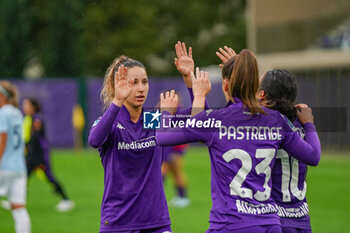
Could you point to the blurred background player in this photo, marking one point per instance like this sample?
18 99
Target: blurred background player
13 177
173 164
37 150
278 90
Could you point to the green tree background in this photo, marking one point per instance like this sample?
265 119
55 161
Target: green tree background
80 38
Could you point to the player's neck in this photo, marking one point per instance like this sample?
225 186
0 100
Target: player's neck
135 113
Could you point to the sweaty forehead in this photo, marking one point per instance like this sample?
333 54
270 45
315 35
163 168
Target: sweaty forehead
137 73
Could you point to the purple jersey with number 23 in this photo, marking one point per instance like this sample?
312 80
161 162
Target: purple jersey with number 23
242 153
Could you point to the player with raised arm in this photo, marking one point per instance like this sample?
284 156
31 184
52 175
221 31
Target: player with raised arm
133 199
13 176
278 90
242 144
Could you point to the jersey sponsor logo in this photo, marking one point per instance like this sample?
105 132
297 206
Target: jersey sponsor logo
137 145
120 126
151 120
249 208
298 212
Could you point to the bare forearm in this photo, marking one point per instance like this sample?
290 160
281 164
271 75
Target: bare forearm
187 80
198 104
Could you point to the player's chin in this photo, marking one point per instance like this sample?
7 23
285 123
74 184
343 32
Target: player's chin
139 103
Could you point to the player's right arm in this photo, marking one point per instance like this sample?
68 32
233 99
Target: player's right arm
102 127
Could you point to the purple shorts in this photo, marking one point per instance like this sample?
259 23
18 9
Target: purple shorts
164 229
294 230
253 229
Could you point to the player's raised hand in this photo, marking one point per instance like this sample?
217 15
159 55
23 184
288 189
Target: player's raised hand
201 84
184 62
122 86
169 102
304 113
225 54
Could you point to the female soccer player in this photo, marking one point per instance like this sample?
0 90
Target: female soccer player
278 90
13 177
37 149
242 142
133 199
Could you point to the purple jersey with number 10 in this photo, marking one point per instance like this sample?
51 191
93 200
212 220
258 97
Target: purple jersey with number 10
289 188
242 153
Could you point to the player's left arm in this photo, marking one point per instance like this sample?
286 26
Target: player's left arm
308 151
3 141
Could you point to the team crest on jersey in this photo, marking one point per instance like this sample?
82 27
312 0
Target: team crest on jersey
291 125
151 120
96 122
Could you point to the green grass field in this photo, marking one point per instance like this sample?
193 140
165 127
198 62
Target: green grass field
82 176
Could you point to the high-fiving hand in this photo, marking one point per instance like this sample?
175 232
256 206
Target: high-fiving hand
225 54
184 62
169 102
201 84
122 86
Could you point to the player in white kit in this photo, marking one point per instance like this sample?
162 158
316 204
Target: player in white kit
13 175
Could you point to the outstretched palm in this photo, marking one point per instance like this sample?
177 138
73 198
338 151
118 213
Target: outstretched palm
184 62
122 86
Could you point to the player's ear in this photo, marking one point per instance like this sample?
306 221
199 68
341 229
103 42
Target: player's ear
225 84
260 95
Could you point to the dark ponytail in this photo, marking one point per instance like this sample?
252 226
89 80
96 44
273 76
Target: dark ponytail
280 90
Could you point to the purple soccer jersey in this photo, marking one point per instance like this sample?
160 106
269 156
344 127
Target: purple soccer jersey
289 188
242 152
133 194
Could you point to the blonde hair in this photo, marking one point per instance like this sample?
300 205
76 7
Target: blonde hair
13 96
107 93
